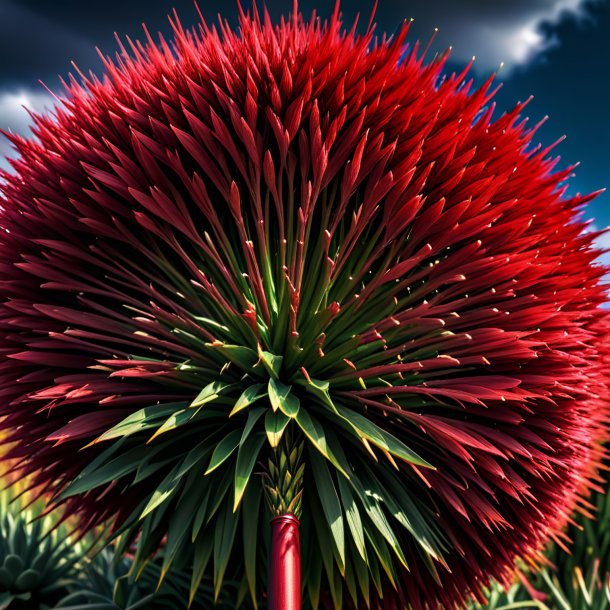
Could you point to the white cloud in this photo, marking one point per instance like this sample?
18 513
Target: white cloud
15 118
508 32
603 243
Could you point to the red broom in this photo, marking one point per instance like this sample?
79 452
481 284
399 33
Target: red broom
298 264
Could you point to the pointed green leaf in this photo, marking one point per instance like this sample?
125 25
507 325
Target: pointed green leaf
143 419
370 431
406 510
327 551
352 515
319 389
281 398
211 392
165 490
330 503
361 572
249 396
224 534
275 424
246 458
271 362
314 431
314 580
224 449
202 554
104 472
250 512
220 493
244 357
253 416
370 503
210 322
379 545
172 422
181 520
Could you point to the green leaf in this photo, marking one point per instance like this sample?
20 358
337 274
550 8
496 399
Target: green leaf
330 504
327 552
100 472
164 491
27 580
249 396
175 420
314 431
210 322
181 520
142 419
380 547
6 598
244 357
361 572
183 417
275 424
352 514
211 392
271 362
370 431
281 398
216 488
320 389
14 565
370 503
224 449
314 573
249 448
406 510
202 553
148 467
253 416
220 493
249 514
350 581
246 458
224 534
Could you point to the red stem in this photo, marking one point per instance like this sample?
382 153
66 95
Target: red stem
285 564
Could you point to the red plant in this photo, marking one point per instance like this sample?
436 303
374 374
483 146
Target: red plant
320 228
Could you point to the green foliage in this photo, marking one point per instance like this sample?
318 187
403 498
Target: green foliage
284 478
39 561
105 583
264 430
579 580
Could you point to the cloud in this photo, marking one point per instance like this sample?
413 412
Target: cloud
14 117
41 37
603 243
512 32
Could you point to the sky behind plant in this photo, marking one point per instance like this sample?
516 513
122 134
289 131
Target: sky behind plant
556 50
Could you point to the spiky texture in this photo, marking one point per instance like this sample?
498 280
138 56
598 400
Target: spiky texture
576 574
294 226
284 478
40 557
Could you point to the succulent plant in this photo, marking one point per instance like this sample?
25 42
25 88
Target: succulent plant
105 582
38 558
575 574
300 267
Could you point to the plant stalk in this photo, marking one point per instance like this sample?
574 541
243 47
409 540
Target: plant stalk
284 592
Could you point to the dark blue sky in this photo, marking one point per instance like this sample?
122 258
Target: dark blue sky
557 50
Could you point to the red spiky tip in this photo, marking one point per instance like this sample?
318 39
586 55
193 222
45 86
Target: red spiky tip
300 206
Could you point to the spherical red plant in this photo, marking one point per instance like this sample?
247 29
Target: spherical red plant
294 270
